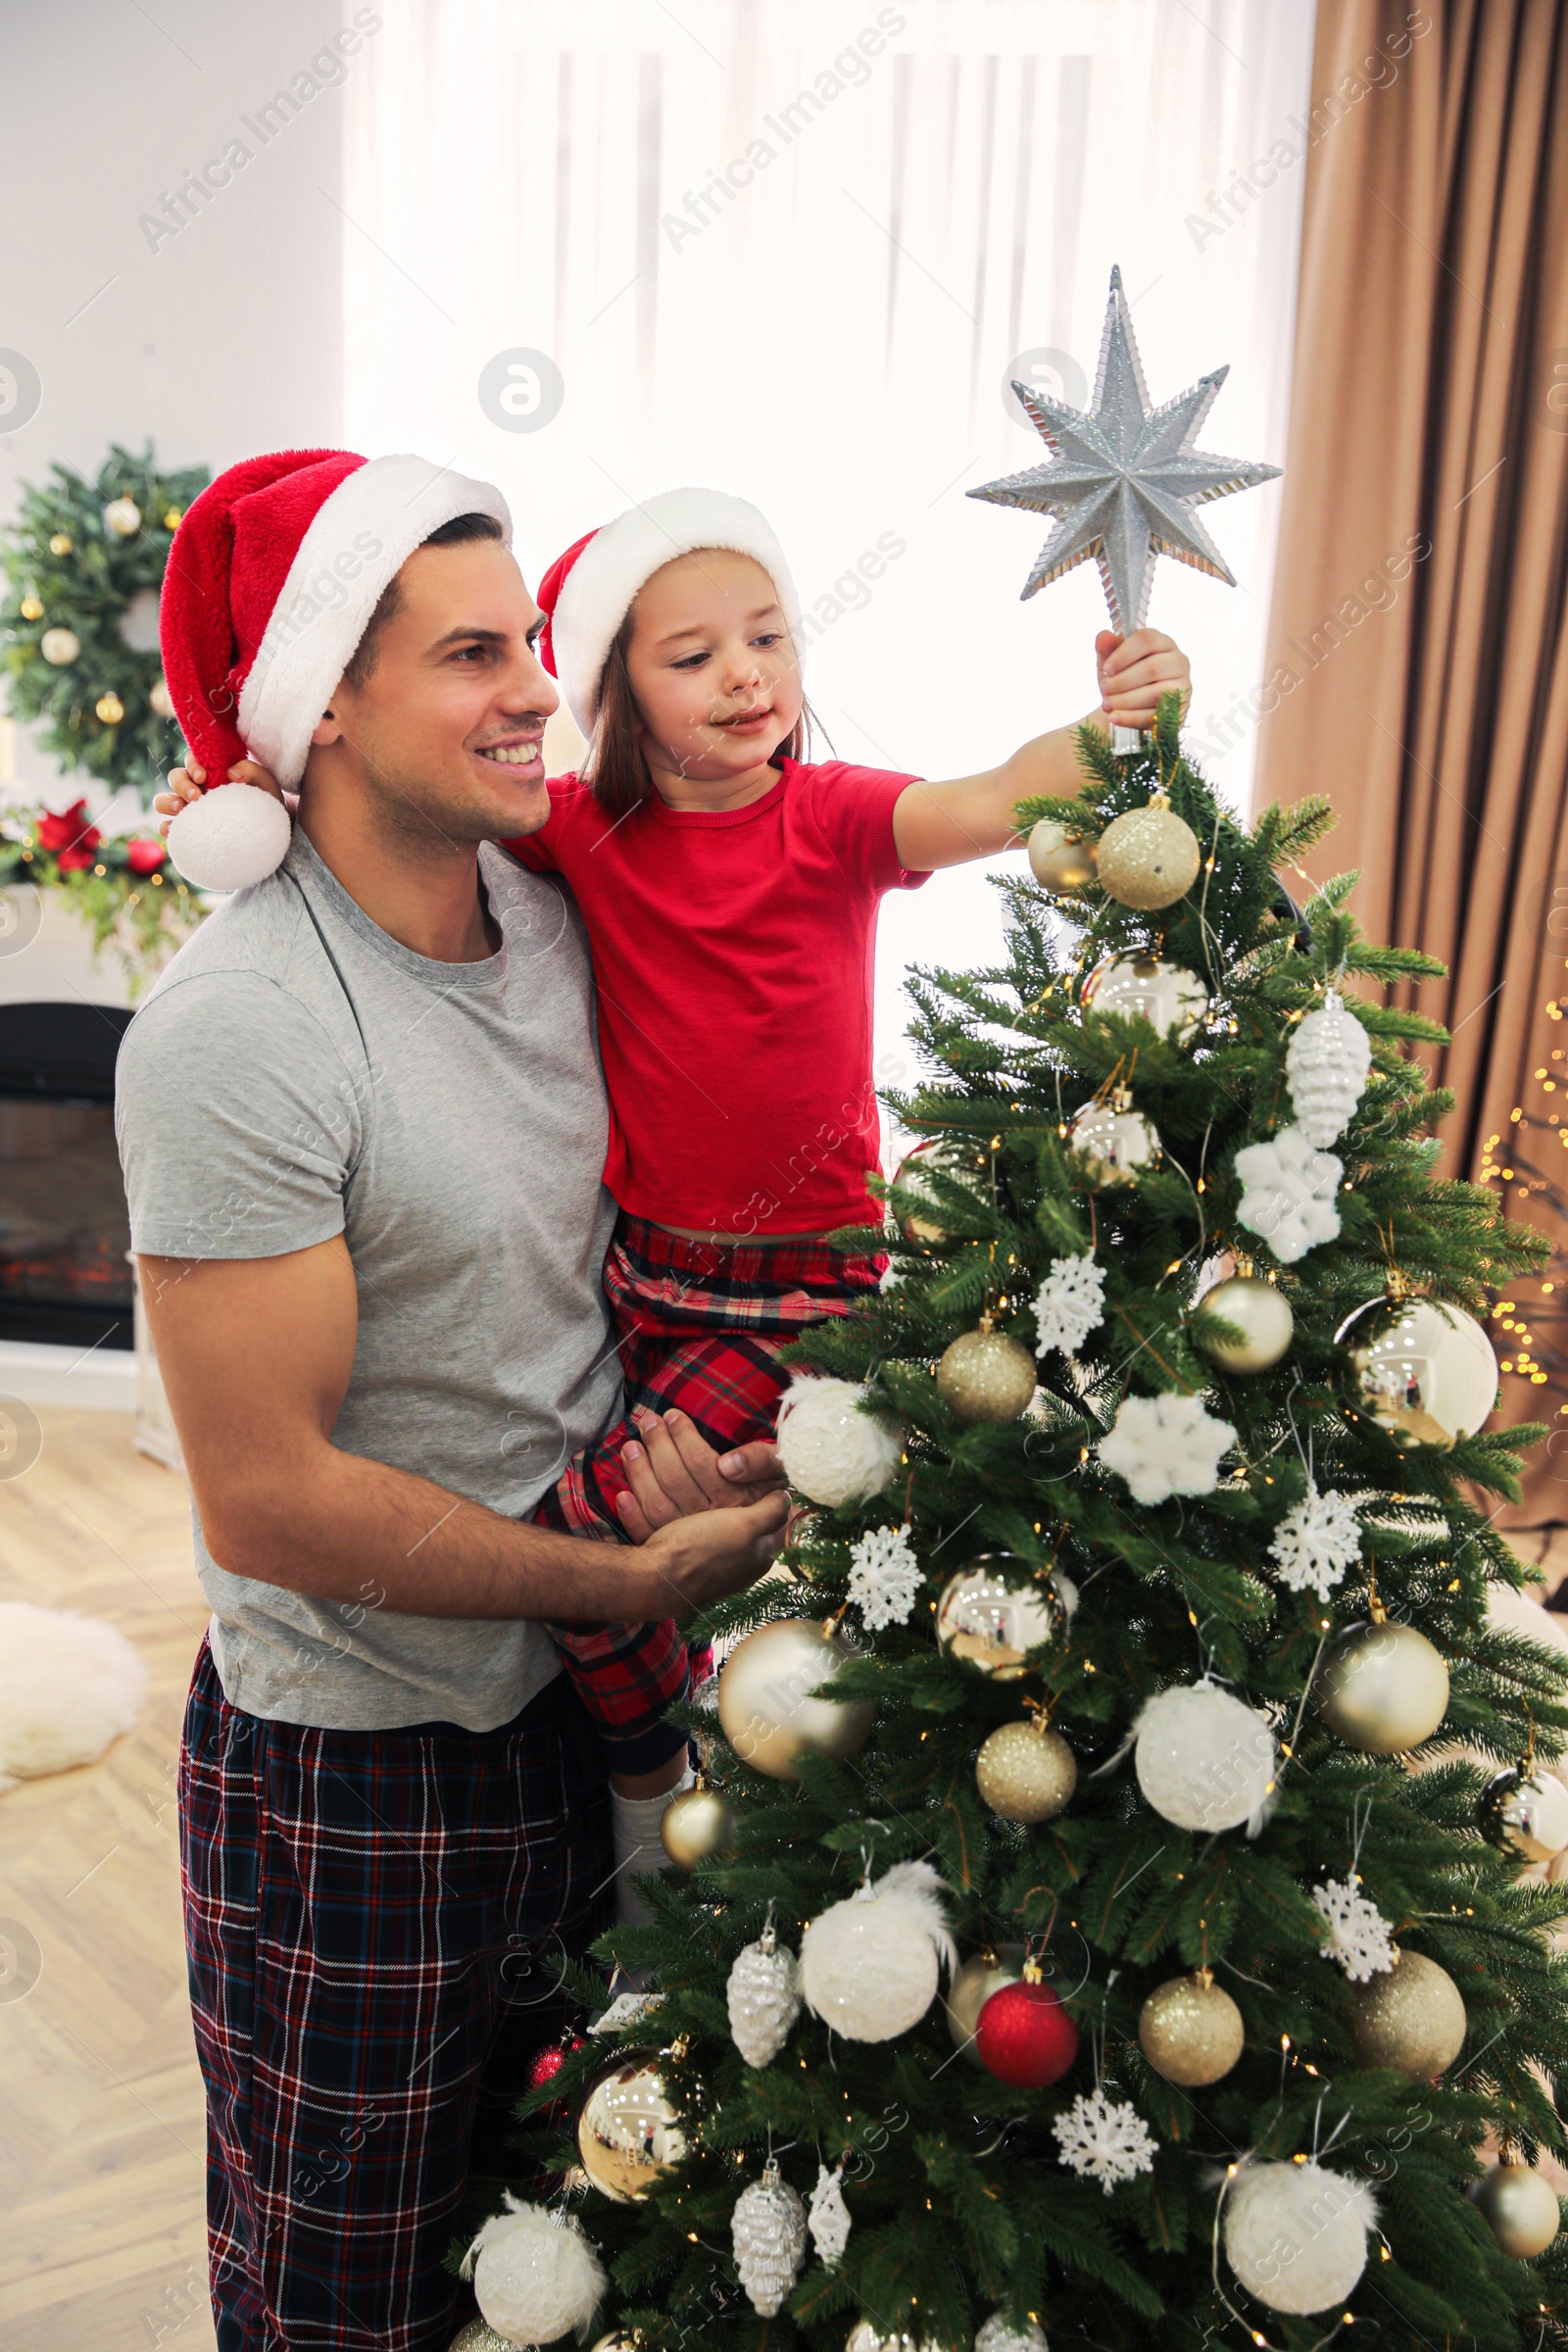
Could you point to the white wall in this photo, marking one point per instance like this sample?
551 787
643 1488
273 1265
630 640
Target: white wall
219 340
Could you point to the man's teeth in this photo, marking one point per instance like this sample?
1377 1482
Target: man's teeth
511 755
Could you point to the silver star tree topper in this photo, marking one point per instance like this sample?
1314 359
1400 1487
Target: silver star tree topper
1126 482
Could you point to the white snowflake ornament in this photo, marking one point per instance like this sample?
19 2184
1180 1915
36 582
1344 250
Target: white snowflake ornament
763 1993
769 2235
1289 1194
1105 2142
1164 1446
1359 1938
1326 1070
1316 1543
884 1577
1071 1303
828 2218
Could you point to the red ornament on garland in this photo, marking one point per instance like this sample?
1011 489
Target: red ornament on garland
1024 2035
546 2064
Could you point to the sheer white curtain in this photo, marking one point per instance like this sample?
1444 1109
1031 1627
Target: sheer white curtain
794 248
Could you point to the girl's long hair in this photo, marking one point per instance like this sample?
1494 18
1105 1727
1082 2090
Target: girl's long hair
614 765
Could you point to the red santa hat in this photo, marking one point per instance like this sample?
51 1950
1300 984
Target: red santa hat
273 578
587 593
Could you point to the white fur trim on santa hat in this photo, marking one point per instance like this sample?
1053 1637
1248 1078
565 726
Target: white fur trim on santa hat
598 590
360 539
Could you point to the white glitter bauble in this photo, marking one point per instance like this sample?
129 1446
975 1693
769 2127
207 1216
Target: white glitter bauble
869 1965
1070 1304
535 2274
884 1577
1296 2233
122 517
998 2334
769 2235
828 2218
1326 1070
1316 1543
830 1451
234 835
1360 1938
1164 1446
1104 2141
763 1993
1151 988
1289 1194
60 647
1204 1759
137 628
160 699
864 2337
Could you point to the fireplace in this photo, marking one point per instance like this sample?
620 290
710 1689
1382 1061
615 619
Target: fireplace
65 1278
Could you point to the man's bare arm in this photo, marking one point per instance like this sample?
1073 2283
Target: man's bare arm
256 1355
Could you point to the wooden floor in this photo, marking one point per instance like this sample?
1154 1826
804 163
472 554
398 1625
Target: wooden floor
102 2237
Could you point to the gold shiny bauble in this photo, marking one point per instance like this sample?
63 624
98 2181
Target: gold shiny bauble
1383 1688
1191 2031
1059 860
110 709
764 1704
1258 1310
1410 2017
1111 1142
939 1153
480 2337
1149 988
1149 857
984 1974
695 1825
60 647
1521 2207
173 518
122 517
1524 1813
627 2135
32 608
1026 1771
60 544
1429 1377
992 1621
162 700
984 1376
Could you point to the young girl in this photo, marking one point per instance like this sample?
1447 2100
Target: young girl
730 891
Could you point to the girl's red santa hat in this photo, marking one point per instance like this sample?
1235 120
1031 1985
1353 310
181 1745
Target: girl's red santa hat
588 592
273 578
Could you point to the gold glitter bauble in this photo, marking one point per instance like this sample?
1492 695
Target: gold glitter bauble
110 709
1383 1688
1148 859
162 700
1191 2031
60 647
984 1376
1521 2207
996 1610
60 544
764 1704
480 2337
1411 2018
31 609
1111 1142
122 517
982 1975
1026 1771
627 2135
1259 1311
695 1825
1149 988
1429 1377
1060 861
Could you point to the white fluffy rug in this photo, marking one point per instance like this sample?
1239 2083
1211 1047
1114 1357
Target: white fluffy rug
68 1687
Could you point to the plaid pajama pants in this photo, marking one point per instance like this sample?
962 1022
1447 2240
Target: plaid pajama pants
370 1918
702 1326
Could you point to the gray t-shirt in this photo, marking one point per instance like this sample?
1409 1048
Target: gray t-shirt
292 1078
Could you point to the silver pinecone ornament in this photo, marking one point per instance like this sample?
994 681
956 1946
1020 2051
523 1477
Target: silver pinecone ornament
1325 1071
829 2218
765 1998
769 2240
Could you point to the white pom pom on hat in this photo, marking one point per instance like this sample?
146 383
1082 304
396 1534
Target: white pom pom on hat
587 592
273 578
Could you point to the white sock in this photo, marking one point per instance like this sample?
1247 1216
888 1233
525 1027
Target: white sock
636 1821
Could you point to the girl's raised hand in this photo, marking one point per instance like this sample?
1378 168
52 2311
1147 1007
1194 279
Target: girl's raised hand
185 785
1135 672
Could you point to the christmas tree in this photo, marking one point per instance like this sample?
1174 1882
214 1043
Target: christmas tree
1103 1912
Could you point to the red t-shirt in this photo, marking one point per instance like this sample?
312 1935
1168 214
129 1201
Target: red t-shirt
733 954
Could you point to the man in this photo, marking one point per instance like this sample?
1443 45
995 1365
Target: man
363 1127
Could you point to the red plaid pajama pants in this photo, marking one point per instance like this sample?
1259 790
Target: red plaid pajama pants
702 1326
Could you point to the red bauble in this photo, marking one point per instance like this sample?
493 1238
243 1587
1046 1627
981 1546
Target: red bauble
1025 2036
546 2062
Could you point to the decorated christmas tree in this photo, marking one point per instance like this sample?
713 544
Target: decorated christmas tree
1102 1920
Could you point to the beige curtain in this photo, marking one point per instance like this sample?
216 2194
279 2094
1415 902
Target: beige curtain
1418 638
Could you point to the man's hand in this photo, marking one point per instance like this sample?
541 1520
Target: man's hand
674 1473
698 1559
1135 672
